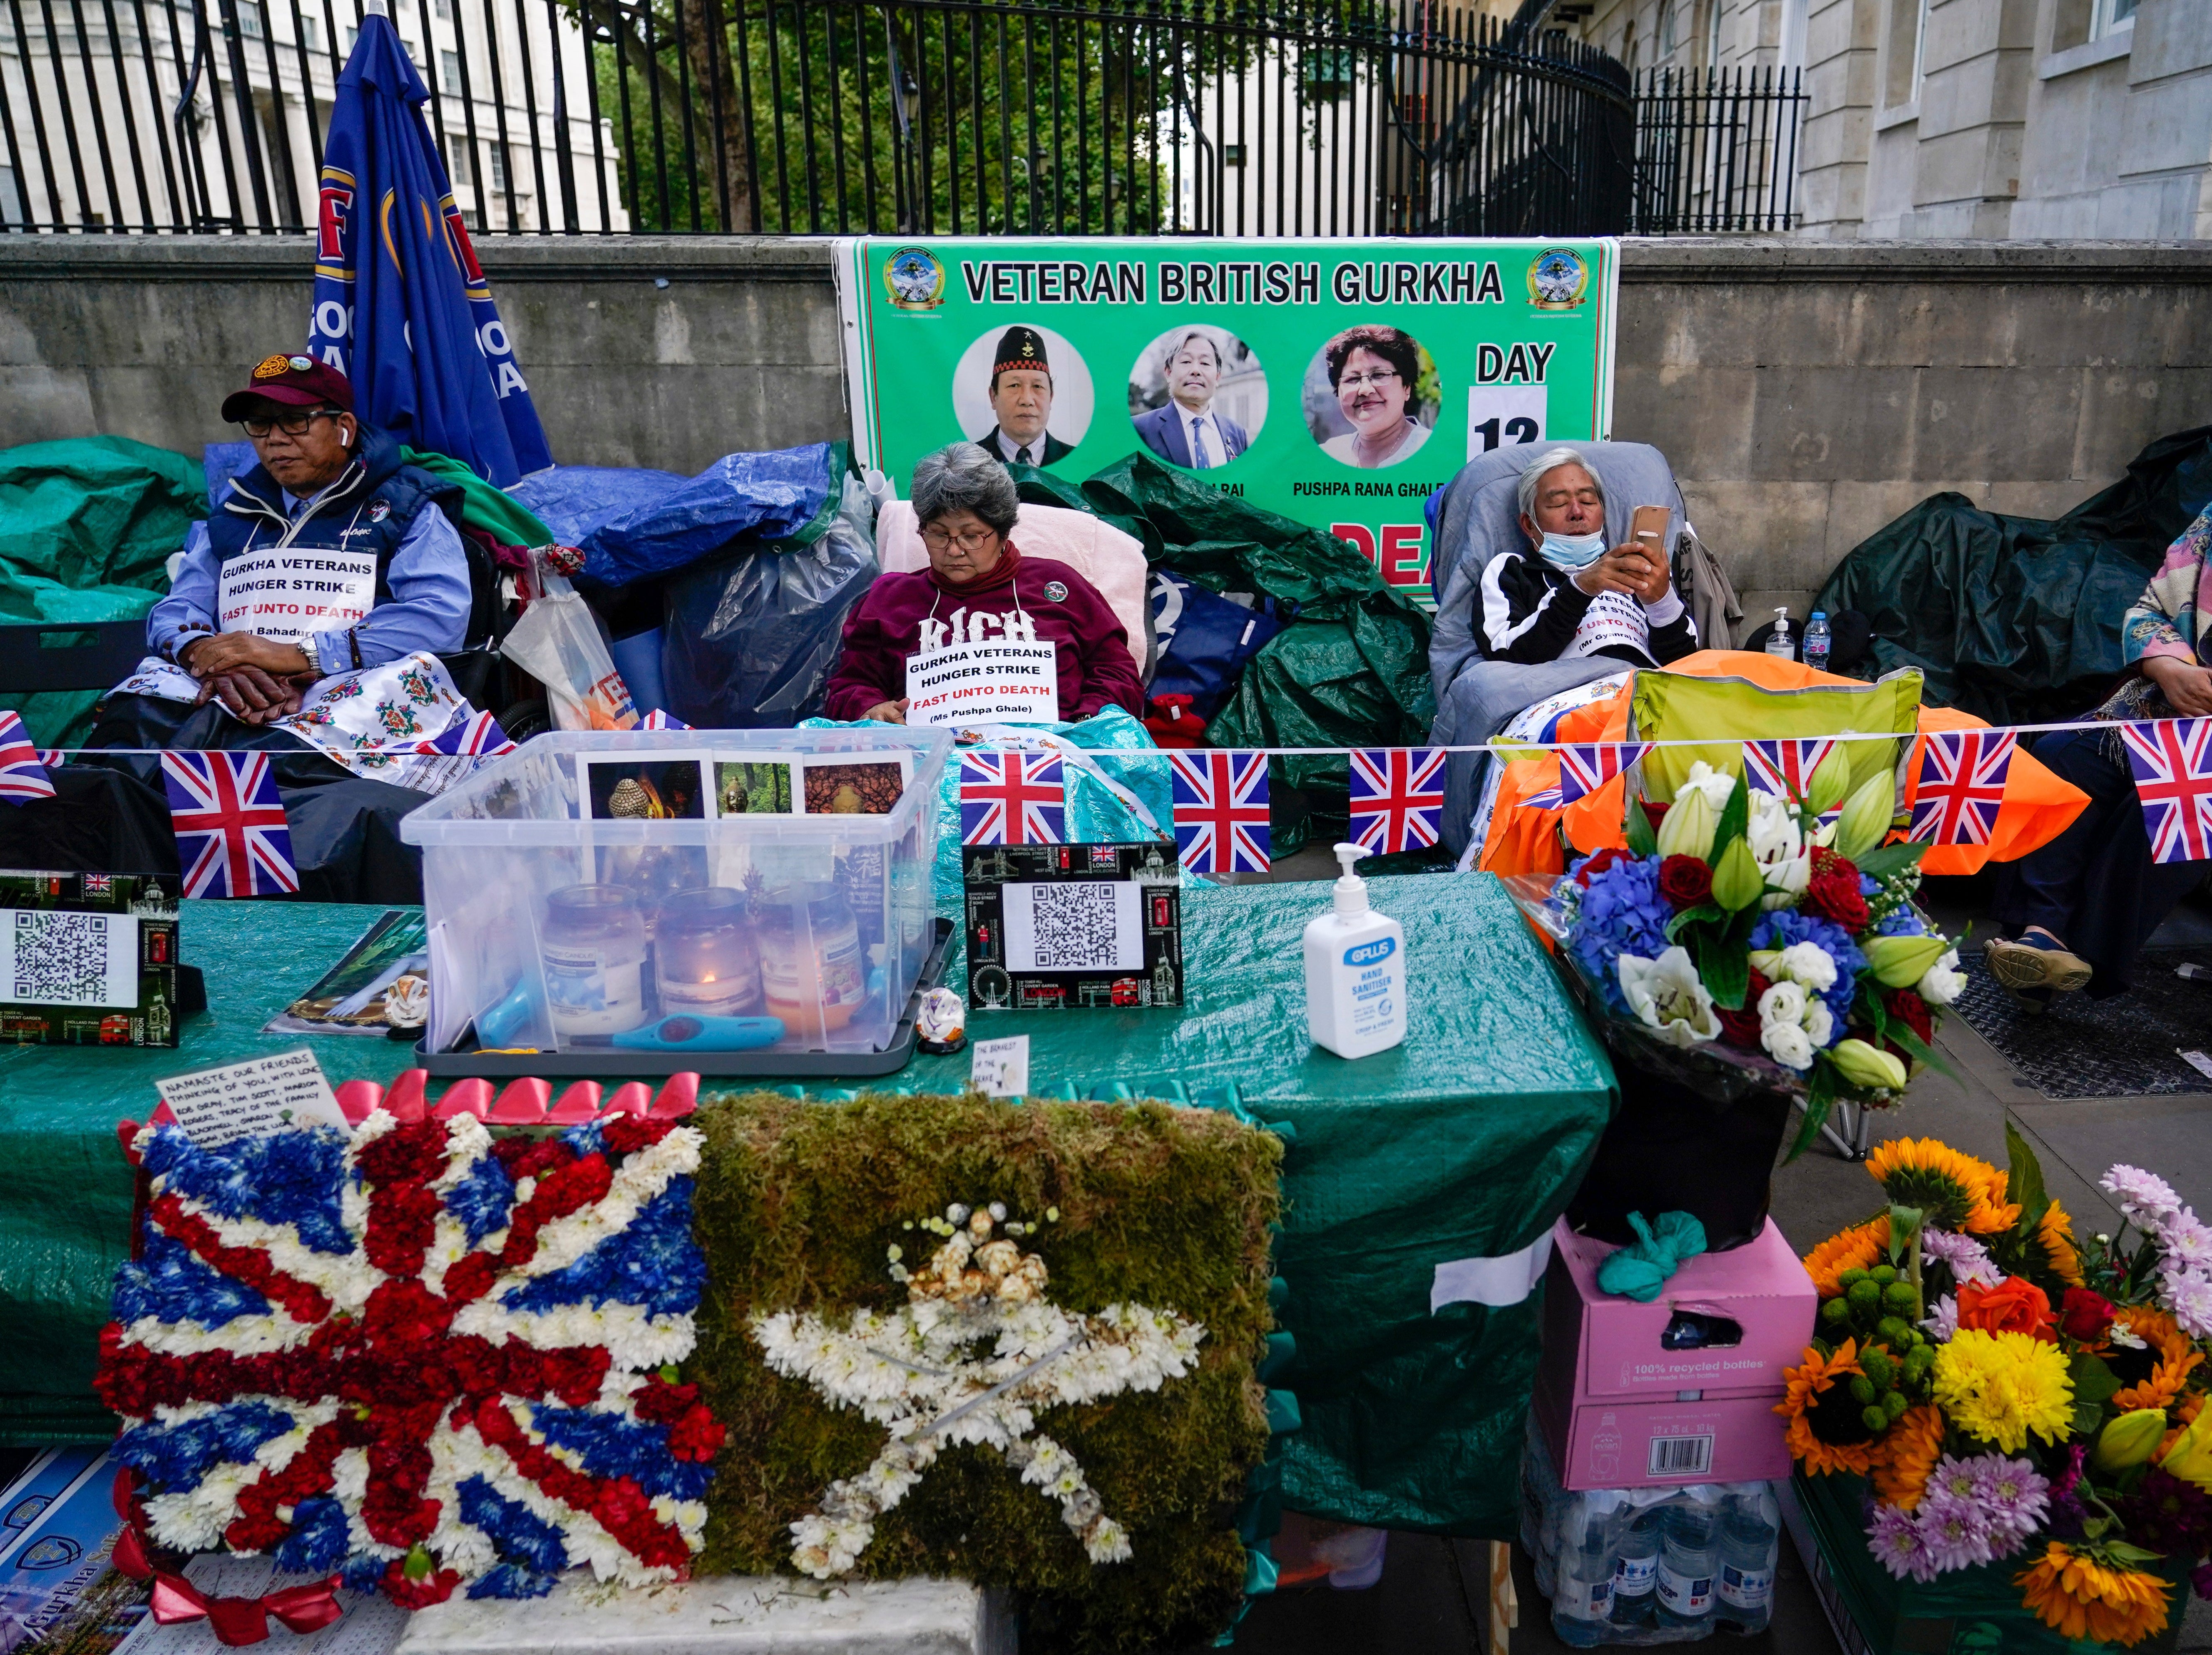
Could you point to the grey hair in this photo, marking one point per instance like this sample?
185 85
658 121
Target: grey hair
963 477
1550 460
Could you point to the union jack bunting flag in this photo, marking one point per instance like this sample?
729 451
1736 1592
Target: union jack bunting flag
22 766
1013 798
1784 767
1583 770
1397 798
1962 783
231 836
2172 762
657 719
476 737
1221 812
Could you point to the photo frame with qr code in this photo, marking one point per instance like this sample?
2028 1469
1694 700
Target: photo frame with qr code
90 959
1068 927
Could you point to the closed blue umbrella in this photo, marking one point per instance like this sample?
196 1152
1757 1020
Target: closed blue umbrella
402 307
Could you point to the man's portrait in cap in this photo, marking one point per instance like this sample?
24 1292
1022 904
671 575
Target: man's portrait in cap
1028 413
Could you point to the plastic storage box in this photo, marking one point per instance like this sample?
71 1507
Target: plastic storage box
557 883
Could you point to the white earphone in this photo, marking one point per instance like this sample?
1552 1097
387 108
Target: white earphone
345 438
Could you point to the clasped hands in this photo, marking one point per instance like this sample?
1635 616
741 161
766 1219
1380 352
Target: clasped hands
2188 687
259 679
1629 569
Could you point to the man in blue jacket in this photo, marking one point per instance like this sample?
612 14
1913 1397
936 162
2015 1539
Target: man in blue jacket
328 557
1188 431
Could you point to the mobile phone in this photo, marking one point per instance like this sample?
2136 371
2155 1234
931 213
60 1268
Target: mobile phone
1649 528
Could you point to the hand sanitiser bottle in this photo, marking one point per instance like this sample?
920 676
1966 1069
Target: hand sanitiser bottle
1355 971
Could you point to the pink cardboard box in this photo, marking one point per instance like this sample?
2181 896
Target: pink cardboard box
1681 1390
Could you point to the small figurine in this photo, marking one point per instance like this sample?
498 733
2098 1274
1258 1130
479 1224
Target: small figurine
941 1024
407 1002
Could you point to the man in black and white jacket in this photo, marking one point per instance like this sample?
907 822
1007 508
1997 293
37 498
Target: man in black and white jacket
1565 594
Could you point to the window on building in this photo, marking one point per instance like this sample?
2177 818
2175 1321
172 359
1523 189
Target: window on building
249 18
352 36
499 168
311 34
1908 31
445 10
2111 16
1670 27
1712 33
457 162
1919 45
449 71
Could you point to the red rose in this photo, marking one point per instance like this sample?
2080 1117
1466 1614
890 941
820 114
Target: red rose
1686 882
1598 862
1834 895
1825 861
2011 1306
2085 1315
1903 1006
1741 1028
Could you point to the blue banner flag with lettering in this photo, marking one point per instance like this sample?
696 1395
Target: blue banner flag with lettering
401 306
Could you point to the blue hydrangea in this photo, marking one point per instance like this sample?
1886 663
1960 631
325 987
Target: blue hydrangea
511 1580
178 1456
653 1263
171 1285
589 1139
612 1445
1622 912
1786 926
318 1539
363 1573
518 1534
287 1178
481 1198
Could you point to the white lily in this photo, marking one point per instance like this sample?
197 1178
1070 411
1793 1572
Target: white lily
1667 996
1715 784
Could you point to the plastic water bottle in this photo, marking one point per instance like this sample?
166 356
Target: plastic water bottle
1779 642
1816 641
1583 1604
1686 1566
1636 1571
1745 1588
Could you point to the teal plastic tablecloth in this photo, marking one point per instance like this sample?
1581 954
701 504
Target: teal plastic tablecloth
1463 1142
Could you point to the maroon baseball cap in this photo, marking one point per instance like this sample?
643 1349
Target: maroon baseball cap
294 381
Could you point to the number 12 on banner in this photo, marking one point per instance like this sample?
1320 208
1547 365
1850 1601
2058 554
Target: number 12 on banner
1503 416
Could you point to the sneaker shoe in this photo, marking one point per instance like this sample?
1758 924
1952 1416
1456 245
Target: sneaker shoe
2035 962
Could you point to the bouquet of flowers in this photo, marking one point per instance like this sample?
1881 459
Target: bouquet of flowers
2015 1396
1768 933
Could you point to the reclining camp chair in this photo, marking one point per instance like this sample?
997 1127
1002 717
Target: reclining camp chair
1471 519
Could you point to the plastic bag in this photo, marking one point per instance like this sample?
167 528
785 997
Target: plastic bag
1205 640
557 643
749 641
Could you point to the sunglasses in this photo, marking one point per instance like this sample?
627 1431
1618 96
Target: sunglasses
292 425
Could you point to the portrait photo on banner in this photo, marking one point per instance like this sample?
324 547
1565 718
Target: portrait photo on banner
1024 393
1198 397
1372 396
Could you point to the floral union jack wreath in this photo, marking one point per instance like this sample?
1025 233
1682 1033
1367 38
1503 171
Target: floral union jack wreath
414 1360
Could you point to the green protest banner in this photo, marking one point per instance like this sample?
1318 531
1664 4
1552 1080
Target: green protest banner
1336 382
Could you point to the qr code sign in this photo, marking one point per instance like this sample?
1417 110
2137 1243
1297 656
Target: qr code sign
1075 927
57 957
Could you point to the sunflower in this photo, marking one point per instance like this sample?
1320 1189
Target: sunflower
2055 1233
2079 1594
2155 1375
1956 1191
1907 1455
1859 1248
1826 1432
2001 1386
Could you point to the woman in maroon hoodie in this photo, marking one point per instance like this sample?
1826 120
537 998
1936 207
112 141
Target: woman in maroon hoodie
965 502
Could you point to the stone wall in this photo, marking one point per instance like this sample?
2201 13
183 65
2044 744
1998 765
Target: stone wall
1806 392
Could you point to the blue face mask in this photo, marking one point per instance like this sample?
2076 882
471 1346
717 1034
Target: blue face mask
1572 552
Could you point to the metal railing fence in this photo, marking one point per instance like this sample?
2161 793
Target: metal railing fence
935 117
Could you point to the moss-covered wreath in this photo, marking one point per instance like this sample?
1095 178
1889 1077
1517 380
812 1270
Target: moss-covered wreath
800 1204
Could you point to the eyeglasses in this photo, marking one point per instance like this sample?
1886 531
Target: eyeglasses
971 542
292 425
1381 376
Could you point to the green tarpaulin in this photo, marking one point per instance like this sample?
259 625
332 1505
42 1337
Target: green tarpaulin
87 526
1352 670
2017 620
1464 1142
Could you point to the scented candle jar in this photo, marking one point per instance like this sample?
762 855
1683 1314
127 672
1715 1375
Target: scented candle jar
594 952
706 962
813 970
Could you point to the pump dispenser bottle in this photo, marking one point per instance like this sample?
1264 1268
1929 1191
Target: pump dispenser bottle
1355 971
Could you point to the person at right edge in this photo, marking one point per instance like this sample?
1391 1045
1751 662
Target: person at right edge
1565 594
2077 912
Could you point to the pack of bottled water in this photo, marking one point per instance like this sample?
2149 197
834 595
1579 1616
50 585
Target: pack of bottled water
1649 1565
